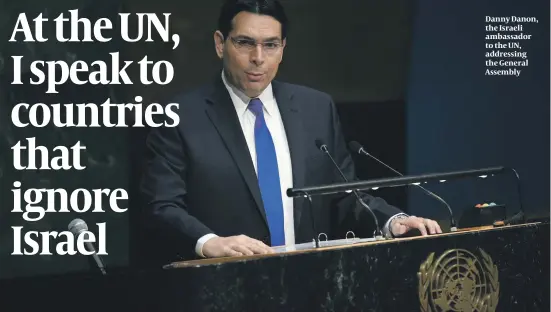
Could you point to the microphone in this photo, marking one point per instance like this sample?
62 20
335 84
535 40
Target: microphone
78 226
321 146
358 148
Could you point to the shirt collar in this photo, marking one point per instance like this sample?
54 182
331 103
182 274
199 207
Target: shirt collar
241 101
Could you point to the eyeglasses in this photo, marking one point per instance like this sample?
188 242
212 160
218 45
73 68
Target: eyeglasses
248 45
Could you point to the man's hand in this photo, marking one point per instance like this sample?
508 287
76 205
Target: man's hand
232 246
400 226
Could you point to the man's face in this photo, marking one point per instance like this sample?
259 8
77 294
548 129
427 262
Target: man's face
252 52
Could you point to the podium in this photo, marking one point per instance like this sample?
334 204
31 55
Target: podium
476 269
483 269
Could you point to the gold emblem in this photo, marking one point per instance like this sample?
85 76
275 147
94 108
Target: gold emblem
458 281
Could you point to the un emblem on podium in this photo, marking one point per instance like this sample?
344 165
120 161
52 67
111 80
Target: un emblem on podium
458 281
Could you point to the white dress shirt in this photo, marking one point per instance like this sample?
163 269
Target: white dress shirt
283 155
279 136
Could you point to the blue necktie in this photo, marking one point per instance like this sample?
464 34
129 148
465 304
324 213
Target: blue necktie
268 175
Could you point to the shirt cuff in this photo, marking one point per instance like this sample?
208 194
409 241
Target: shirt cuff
201 241
386 228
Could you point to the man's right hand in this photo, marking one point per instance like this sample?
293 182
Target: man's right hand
232 246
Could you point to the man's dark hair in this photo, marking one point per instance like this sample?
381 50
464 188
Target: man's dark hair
264 7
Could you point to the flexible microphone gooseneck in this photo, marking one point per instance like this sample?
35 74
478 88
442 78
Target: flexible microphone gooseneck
358 148
321 146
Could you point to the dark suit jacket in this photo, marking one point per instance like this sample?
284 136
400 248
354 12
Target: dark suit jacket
199 177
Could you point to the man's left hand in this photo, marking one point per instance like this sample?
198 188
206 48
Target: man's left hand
400 226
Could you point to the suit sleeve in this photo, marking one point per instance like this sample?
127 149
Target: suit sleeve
351 209
164 187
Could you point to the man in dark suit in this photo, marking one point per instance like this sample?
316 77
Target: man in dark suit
216 184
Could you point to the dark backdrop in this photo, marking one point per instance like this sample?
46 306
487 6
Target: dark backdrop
425 109
457 118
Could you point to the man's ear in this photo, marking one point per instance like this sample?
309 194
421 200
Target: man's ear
284 43
219 43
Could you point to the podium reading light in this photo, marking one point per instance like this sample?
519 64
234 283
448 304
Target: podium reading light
405 180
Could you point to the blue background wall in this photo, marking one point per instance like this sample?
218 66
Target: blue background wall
457 118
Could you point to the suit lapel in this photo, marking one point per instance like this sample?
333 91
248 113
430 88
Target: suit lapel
224 117
292 121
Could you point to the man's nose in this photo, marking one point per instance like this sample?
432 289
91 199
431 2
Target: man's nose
257 55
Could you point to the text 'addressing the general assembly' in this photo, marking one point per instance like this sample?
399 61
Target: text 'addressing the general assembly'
505 36
28 154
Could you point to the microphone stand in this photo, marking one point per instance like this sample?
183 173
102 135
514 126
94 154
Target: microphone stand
453 225
378 233
312 219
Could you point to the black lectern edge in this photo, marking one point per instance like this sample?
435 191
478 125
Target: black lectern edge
243 259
